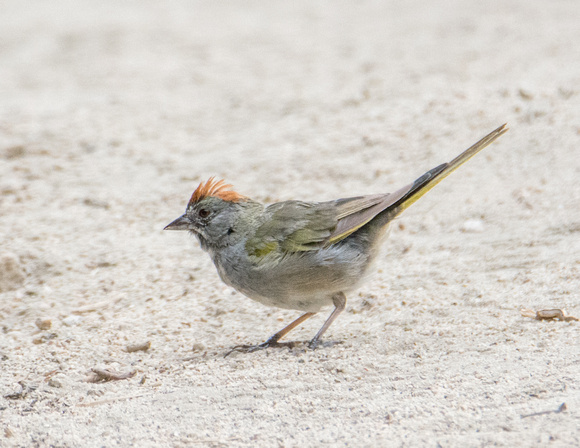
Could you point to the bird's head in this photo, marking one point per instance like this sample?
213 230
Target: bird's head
213 214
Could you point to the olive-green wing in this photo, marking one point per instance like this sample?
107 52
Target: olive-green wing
292 226
295 226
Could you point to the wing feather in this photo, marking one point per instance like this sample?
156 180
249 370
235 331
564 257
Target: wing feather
295 226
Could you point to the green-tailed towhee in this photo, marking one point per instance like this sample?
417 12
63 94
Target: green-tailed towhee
301 255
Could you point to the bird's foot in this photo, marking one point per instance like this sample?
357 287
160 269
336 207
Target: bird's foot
270 343
312 345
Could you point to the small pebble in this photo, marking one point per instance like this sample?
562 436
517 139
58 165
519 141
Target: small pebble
473 225
71 321
197 347
43 324
142 347
54 383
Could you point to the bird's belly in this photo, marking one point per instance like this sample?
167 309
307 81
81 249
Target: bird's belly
304 281
311 302
286 291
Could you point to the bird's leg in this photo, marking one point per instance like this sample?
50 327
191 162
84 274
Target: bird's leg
273 340
339 300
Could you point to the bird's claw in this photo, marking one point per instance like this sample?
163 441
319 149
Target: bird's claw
312 345
246 348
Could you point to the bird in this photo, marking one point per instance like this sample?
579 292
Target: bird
301 255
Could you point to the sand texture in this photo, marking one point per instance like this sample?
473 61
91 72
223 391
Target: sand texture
113 332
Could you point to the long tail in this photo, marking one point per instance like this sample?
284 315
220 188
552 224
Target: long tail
381 209
432 177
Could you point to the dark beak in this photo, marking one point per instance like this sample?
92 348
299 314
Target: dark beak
181 223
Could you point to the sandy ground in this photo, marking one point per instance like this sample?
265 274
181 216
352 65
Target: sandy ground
112 112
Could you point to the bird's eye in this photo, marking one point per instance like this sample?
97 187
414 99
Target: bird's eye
203 213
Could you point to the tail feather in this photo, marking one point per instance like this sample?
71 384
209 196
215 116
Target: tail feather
381 209
432 177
